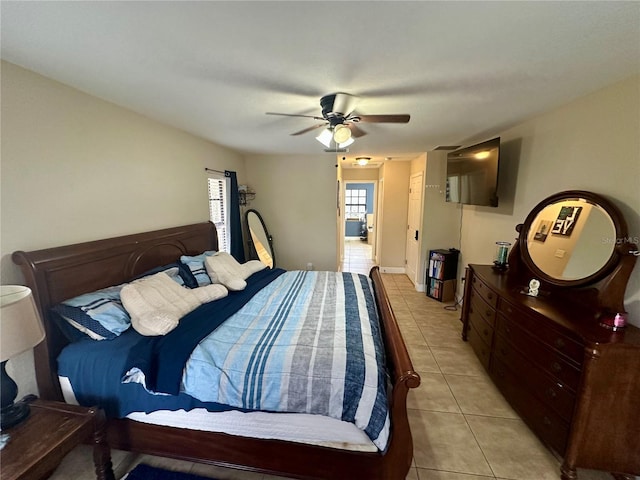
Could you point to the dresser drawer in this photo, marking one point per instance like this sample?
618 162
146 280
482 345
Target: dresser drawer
548 425
483 328
548 390
482 308
553 338
538 353
483 351
485 292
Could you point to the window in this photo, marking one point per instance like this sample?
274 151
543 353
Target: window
355 202
219 209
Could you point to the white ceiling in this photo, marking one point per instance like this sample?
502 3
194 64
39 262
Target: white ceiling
463 70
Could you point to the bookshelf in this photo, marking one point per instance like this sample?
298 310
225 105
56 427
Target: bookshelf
441 274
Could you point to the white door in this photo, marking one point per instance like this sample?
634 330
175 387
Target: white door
413 227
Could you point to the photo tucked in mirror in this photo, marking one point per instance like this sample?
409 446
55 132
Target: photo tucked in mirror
571 239
261 241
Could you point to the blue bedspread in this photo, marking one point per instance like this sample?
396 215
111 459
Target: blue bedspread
307 342
95 368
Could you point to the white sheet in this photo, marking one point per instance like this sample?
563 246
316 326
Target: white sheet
293 427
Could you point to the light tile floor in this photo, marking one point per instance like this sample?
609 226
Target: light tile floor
462 427
357 256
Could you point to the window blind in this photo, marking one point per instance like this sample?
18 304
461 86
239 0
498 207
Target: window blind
219 209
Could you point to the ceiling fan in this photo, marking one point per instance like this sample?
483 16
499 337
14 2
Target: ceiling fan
339 119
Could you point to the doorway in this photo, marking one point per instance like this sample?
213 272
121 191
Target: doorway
359 207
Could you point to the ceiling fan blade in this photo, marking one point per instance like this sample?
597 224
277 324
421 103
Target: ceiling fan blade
356 131
308 129
294 115
399 118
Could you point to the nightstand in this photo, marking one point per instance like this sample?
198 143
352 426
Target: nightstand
52 430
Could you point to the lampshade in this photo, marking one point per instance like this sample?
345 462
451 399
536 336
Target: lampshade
325 137
346 143
341 133
20 325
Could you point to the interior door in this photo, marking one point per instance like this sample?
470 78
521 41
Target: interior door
413 227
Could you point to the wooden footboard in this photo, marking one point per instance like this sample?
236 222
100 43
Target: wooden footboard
59 273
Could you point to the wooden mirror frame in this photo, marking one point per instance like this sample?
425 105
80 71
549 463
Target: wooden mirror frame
616 217
604 289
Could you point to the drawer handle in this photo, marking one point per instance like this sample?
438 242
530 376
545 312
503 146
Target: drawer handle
490 296
556 367
470 309
559 342
551 393
486 332
546 420
488 313
504 351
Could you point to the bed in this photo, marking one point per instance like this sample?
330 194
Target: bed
60 273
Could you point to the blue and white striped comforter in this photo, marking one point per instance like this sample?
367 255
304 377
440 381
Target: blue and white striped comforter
309 342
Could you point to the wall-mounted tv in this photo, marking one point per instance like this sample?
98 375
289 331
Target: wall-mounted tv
472 174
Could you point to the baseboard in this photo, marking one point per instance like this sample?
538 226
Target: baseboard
420 287
392 270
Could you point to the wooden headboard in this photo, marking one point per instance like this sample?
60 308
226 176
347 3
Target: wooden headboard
60 273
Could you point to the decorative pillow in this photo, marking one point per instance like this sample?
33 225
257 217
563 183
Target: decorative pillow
196 267
98 314
223 268
156 303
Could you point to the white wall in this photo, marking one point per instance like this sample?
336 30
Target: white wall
590 144
76 168
297 198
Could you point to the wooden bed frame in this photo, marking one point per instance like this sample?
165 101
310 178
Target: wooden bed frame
56 274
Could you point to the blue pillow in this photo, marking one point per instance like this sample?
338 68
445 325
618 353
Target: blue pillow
182 275
73 333
197 268
99 314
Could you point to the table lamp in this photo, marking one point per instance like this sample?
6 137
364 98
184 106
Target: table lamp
20 330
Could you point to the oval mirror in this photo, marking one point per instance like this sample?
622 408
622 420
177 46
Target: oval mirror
570 238
261 243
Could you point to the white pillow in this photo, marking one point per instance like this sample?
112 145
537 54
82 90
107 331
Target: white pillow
224 269
156 303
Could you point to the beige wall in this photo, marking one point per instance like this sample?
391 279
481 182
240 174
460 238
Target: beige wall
590 144
76 168
356 174
296 195
392 225
441 220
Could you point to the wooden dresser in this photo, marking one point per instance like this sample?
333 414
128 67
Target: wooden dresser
575 383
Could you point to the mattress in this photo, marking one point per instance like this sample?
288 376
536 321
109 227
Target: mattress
293 427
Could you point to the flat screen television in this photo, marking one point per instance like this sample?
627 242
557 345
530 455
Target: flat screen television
472 174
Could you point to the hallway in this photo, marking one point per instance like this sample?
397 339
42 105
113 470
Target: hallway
357 256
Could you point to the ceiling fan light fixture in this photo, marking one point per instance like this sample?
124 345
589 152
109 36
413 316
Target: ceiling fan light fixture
362 161
341 133
325 137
